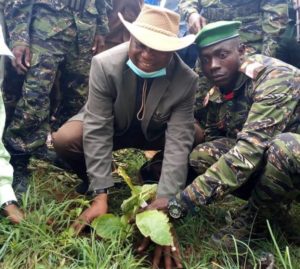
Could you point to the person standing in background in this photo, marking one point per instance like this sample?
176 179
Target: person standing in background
45 35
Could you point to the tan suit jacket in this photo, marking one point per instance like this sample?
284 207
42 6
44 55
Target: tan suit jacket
110 109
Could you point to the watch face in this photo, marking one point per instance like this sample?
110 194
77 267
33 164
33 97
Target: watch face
175 211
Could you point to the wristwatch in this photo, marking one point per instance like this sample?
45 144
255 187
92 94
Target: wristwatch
96 192
175 209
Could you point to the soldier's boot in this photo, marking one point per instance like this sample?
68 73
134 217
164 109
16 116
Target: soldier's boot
21 175
245 224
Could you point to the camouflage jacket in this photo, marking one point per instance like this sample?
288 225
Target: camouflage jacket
263 21
264 103
18 15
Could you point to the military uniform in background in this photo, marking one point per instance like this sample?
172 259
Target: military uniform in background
289 48
263 22
253 139
118 34
59 34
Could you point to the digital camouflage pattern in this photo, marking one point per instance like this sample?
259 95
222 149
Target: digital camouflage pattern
265 103
263 21
19 14
59 37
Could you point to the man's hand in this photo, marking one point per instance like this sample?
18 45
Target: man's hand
171 255
23 57
195 23
99 44
159 204
13 213
99 207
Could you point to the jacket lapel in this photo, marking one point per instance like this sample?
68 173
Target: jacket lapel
126 101
157 90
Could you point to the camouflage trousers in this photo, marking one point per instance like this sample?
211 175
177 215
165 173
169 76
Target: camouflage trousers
68 51
276 183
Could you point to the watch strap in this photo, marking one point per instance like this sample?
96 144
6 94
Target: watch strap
96 192
10 202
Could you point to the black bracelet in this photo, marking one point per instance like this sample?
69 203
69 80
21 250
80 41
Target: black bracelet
10 202
96 192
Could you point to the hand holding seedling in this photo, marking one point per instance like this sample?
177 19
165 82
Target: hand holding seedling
170 254
98 208
151 221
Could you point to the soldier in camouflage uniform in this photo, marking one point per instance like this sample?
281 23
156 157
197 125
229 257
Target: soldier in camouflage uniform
289 48
45 35
252 134
263 22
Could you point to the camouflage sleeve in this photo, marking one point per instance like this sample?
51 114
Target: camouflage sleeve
274 22
17 18
102 23
187 7
212 131
275 99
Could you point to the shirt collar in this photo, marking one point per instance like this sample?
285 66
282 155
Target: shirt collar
215 95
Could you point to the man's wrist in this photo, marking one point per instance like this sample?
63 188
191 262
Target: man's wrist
176 209
8 203
95 193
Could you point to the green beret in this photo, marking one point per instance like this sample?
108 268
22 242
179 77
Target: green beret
216 32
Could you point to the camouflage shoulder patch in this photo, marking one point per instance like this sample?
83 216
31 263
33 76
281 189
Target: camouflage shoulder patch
213 95
251 69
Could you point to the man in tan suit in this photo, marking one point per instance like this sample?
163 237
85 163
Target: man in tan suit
140 95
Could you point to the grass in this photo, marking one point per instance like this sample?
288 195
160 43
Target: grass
43 241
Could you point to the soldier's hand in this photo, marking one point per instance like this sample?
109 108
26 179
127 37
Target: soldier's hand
23 57
195 23
98 207
99 44
13 213
171 255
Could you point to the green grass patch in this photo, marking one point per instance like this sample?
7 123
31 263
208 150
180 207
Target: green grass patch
51 205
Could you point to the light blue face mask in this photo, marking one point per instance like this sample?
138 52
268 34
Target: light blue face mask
143 74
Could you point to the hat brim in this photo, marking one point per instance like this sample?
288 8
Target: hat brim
155 40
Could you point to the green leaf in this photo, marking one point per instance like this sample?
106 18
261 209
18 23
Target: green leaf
142 194
155 224
126 178
108 226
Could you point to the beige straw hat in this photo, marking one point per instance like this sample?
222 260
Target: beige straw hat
157 28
